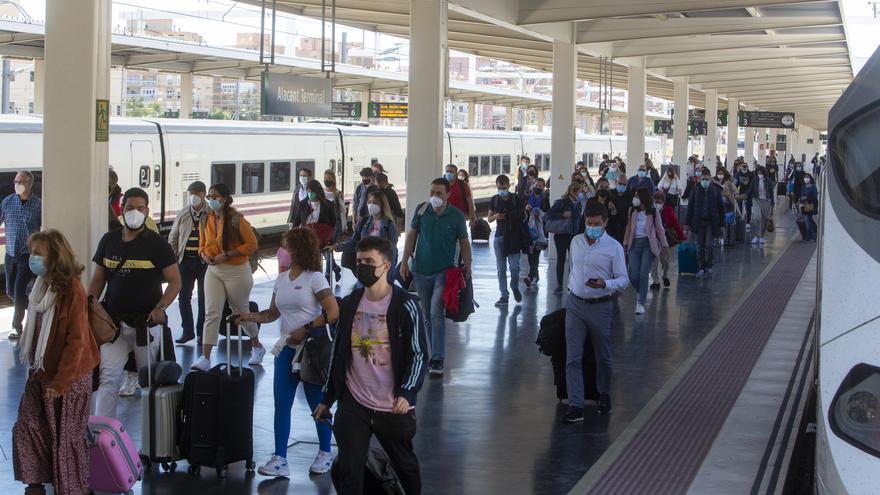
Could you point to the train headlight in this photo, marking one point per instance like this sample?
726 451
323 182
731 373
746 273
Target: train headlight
854 414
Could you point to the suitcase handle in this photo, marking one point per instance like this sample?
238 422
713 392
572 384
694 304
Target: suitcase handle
229 350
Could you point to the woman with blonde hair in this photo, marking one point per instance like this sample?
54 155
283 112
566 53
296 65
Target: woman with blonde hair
49 435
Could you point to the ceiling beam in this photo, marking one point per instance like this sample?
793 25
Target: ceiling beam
740 55
751 74
596 31
724 69
782 86
771 82
547 11
683 44
831 90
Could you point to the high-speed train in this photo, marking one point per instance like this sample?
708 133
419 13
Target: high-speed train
260 161
848 415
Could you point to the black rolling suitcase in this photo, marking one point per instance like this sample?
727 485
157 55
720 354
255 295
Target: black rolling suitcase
218 416
551 342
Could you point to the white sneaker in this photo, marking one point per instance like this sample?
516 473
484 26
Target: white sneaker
257 354
275 466
754 240
129 384
640 310
761 240
748 228
202 364
322 463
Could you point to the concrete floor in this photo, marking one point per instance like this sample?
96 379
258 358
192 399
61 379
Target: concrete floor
490 425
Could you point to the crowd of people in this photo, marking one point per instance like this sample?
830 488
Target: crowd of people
612 230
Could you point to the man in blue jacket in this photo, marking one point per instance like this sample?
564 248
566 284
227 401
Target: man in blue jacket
705 214
377 367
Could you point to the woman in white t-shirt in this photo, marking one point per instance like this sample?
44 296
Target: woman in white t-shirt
304 304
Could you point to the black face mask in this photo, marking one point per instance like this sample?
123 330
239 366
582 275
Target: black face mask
366 274
329 183
366 181
603 192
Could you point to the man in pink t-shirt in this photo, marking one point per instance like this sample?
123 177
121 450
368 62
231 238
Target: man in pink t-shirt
377 370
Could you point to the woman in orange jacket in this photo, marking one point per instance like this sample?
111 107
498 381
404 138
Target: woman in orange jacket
226 241
49 435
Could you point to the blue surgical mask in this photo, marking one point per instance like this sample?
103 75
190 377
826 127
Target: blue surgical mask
581 196
705 183
643 173
503 193
611 174
214 204
37 264
595 232
449 176
621 188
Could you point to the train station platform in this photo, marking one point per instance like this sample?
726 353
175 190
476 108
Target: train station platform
703 391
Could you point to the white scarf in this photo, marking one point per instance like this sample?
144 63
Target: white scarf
40 300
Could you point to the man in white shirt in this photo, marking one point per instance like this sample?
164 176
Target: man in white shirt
598 271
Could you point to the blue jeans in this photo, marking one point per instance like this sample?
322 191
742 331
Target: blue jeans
18 275
430 289
640 260
192 270
512 260
811 227
286 383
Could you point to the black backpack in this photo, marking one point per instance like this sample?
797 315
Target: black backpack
480 231
551 334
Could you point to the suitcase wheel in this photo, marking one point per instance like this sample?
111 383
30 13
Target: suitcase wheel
172 466
221 472
194 470
145 460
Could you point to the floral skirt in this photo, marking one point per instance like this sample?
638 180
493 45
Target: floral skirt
49 437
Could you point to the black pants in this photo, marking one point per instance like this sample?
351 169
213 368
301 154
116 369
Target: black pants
18 275
563 242
533 256
192 270
353 428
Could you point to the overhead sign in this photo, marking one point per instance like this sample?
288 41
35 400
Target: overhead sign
346 110
295 96
388 110
777 120
102 120
696 127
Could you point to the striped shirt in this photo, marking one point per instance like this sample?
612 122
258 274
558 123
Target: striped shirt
22 218
191 250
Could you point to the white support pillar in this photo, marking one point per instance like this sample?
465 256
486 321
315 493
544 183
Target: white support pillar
186 95
562 119
680 123
508 121
427 79
749 152
540 116
635 115
472 114
75 166
732 131
39 85
711 148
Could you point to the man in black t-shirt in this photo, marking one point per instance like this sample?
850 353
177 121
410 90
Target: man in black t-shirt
132 263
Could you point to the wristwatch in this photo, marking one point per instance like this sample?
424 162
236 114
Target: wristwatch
162 307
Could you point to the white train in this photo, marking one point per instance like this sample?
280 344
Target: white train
848 436
260 161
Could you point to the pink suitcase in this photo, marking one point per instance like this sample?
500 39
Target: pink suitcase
114 464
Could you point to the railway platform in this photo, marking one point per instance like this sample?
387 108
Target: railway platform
706 392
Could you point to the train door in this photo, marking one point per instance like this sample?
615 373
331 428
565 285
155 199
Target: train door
146 172
332 159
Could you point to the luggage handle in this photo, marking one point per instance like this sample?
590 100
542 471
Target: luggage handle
229 349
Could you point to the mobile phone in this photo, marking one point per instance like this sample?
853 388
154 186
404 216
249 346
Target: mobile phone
327 417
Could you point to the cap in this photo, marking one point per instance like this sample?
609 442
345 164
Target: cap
197 186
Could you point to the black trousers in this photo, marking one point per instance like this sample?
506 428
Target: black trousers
534 256
18 276
192 270
353 427
563 243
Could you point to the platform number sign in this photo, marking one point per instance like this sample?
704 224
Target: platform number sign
102 120
144 176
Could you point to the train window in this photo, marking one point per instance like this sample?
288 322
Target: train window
473 165
496 164
546 166
223 173
252 177
279 176
854 149
485 165
505 164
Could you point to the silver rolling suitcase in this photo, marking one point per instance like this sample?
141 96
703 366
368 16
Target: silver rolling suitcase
161 405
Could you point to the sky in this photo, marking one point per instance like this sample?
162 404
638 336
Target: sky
862 30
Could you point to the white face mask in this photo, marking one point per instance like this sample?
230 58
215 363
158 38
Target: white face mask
195 201
637 202
374 209
134 219
806 180
303 180
659 206
436 202
19 189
